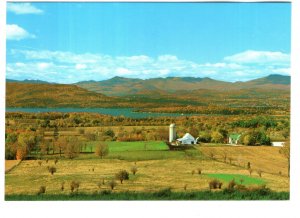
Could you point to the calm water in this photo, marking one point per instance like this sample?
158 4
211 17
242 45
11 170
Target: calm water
127 112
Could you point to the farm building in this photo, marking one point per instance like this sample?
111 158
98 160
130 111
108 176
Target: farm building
187 139
172 132
277 144
234 139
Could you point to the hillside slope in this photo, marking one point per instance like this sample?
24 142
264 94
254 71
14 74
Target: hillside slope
53 95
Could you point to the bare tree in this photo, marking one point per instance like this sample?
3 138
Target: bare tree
133 170
102 150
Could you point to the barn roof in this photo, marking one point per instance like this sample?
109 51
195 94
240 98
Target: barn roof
187 136
235 136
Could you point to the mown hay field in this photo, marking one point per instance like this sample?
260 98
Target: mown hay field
264 158
176 169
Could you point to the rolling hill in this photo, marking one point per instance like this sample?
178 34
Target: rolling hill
151 93
53 95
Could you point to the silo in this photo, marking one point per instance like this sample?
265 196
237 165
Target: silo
172 132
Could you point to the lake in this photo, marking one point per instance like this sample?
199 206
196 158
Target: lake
126 112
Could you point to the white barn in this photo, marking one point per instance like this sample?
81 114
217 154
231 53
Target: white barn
187 139
277 144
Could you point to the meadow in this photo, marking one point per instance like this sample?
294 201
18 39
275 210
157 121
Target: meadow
157 169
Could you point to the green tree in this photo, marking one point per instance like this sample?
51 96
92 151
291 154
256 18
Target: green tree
122 175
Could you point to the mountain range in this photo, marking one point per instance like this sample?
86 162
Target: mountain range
120 86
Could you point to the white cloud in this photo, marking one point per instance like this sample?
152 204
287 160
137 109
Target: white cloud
15 32
258 57
23 8
80 66
67 67
43 66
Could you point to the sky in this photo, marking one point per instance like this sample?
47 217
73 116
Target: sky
71 42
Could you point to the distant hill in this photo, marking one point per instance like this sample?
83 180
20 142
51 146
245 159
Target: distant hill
31 81
54 95
272 79
119 86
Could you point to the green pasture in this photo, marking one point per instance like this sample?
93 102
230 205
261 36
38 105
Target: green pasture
246 180
127 146
138 151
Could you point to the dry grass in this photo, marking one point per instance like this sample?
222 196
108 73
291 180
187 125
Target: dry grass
151 176
264 158
9 164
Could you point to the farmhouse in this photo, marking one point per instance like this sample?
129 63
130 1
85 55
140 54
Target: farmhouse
234 139
277 144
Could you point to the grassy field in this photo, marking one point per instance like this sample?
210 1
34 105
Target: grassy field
10 164
239 179
264 158
157 169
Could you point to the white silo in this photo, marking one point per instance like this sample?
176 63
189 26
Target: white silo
172 132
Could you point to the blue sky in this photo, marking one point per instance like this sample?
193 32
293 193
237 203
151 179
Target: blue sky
70 42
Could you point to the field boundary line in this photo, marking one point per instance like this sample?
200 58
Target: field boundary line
13 167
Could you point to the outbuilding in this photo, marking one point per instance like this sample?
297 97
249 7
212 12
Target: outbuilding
234 139
277 144
187 139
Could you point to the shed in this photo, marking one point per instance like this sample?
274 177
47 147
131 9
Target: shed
234 138
277 144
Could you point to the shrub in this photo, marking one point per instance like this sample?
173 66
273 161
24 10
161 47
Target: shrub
133 170
241 187
99 185
40 163
185 187
62 187
74 186
163 192
112 184
215 184
42 190
102 150
72 147
199 171
231 185
52 170
122 175
259 172
105 192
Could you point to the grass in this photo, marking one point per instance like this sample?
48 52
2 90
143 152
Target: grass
139 151
247 180
164 194
10 164
129 146
264 158
157 169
